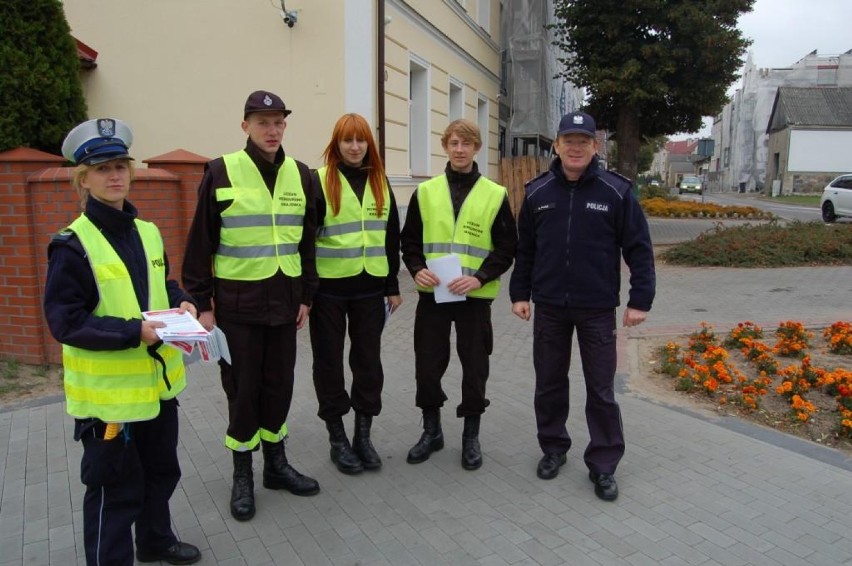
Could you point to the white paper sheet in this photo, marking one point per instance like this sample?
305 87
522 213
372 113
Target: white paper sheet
446 268
179 327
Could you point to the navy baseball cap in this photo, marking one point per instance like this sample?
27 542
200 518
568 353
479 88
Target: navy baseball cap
96 141
264 101
577 123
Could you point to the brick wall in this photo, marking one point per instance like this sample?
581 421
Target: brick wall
36 201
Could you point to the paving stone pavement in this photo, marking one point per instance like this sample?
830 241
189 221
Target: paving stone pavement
695 490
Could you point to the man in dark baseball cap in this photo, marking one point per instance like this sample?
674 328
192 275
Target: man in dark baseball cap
250 262
577 123
264 101
579 210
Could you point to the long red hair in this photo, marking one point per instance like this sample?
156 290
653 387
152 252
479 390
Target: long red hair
353 126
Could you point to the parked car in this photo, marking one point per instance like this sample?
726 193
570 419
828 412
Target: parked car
689 185
836 198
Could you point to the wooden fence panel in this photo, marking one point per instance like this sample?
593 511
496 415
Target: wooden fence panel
517 171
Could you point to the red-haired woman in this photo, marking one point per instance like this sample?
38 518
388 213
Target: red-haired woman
358 263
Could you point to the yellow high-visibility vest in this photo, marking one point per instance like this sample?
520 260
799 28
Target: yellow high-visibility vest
354 240
469 235
121 385
260 231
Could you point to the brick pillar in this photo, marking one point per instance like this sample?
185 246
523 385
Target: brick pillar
22 257
189 168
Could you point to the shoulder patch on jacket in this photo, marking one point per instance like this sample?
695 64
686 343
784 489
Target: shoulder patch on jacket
619 182
536 178
62 237
540 180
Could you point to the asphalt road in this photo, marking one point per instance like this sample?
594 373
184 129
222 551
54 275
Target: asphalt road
785 211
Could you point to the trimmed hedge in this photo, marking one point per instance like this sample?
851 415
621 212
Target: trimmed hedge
40 92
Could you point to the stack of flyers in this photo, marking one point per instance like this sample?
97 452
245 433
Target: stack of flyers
211 351
182 330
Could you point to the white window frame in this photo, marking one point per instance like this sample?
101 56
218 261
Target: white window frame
419 111
455 109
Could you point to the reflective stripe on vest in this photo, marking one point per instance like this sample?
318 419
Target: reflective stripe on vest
354 240
260 231
469 235
121 385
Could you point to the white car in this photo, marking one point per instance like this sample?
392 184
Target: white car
836 198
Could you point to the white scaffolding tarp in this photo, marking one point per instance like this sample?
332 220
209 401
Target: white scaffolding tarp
537 98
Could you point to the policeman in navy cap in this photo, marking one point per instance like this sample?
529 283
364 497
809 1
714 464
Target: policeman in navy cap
104 271
580 211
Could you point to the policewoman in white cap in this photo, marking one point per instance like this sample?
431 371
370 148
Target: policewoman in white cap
250 264
121 382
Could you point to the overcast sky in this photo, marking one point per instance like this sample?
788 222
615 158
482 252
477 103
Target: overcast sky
784 31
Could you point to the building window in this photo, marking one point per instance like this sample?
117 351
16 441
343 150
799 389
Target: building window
456 109
482 122
418 117
483 14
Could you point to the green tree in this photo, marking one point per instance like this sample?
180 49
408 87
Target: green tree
647 150
40 92
650 67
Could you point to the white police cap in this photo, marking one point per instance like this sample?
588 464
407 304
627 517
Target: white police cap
98 140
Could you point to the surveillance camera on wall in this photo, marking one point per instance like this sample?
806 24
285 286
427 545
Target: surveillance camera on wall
290 17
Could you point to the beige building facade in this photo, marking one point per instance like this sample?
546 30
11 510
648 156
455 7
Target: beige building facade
179 72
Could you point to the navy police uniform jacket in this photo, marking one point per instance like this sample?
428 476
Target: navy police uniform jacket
572 236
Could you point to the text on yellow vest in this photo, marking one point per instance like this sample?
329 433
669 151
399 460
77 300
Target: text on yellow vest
354 240
469 235
260 231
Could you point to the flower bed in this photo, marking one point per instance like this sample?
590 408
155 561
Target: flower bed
668 208
787 380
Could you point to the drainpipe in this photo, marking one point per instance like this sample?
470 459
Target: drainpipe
380 74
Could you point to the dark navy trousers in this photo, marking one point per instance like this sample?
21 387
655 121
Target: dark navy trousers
128 480
366 317
259 381
474 343
553 331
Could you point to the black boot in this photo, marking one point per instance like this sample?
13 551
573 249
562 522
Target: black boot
362 445
279 474
431 440
471 452
341 451
242 490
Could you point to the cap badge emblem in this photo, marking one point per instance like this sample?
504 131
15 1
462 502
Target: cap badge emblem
106 128
267 101
578 119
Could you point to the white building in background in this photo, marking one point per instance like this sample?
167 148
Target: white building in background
740 151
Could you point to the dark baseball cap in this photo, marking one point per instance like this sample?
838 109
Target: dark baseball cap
264 101
577 123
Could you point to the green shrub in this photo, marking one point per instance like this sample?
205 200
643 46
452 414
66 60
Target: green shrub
650 191
40 92
767 245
